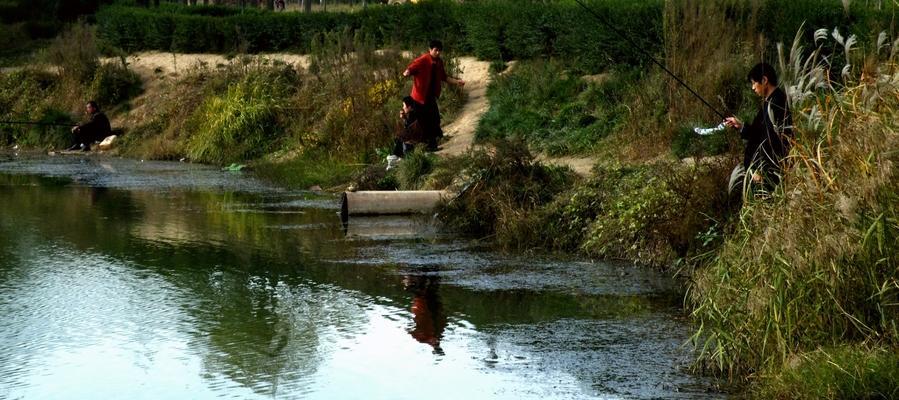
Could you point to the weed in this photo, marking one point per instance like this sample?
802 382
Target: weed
500 190
554 111
75 53
815 263
414 169
240 124
843 372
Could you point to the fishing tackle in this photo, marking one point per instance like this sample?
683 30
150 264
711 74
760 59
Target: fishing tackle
646 53
36 123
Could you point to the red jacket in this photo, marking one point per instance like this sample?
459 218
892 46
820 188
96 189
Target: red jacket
422 69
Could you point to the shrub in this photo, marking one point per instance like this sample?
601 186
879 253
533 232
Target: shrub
47 136
114 83
554 111
75 53
499 190
814 263
239 124
843 372
414 169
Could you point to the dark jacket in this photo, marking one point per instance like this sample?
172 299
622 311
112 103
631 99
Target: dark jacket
96 129
412 131
768 136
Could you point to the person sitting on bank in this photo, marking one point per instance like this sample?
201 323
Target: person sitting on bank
767 136
95 129
428 74
411 132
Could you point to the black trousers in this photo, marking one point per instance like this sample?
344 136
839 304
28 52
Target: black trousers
430 118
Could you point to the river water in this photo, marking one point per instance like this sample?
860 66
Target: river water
122 279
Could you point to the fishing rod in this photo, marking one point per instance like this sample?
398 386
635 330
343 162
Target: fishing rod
646 53
36 123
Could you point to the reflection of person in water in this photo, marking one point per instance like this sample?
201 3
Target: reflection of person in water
427 311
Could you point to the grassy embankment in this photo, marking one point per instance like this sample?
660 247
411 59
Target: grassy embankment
797 290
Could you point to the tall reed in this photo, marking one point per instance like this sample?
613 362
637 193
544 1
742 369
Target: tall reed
816 263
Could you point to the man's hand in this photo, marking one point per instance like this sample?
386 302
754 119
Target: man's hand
456 81
75 129
733 122
406 73
756 178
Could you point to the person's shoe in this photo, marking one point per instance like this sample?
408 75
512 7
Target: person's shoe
85 147
392 162
76 146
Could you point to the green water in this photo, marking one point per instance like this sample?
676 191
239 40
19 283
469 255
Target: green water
127 280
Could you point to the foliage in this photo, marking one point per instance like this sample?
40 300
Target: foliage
843 372
48 136
242 122
492 29
23 97
686 143
306 170
75 53
814 263
500 191
652 213
114 83
414 169
553 110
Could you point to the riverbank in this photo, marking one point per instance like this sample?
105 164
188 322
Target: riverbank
204 283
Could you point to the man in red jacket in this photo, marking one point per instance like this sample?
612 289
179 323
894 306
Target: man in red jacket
428 75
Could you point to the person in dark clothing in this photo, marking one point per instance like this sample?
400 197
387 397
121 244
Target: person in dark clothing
411 132
428 74
95 129
769 134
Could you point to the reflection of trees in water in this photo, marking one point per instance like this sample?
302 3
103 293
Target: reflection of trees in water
427 309
268 334
255 324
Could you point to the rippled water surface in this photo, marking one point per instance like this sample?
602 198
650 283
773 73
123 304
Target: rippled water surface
127 279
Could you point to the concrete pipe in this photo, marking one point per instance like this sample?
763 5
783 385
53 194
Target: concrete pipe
396 202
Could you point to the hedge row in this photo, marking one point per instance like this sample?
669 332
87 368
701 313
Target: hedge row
491 29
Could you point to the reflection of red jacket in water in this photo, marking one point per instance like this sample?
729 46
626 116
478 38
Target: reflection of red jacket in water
425 330
427 313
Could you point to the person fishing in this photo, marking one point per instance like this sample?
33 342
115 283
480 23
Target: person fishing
96 128
767 136
428 74
411 132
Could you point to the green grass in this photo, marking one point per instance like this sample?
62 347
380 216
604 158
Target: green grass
239 124
553 109
414 169
307 170
844 372
815 262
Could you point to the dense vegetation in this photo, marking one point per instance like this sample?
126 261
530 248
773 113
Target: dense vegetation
488 29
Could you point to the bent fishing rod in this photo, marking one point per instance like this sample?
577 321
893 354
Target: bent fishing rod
646 53
36 123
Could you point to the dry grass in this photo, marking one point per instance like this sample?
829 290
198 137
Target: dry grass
814 263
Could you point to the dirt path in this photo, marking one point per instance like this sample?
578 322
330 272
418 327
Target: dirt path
461 131
150 63
151 66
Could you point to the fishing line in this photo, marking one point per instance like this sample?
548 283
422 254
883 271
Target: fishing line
36 123
646 53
